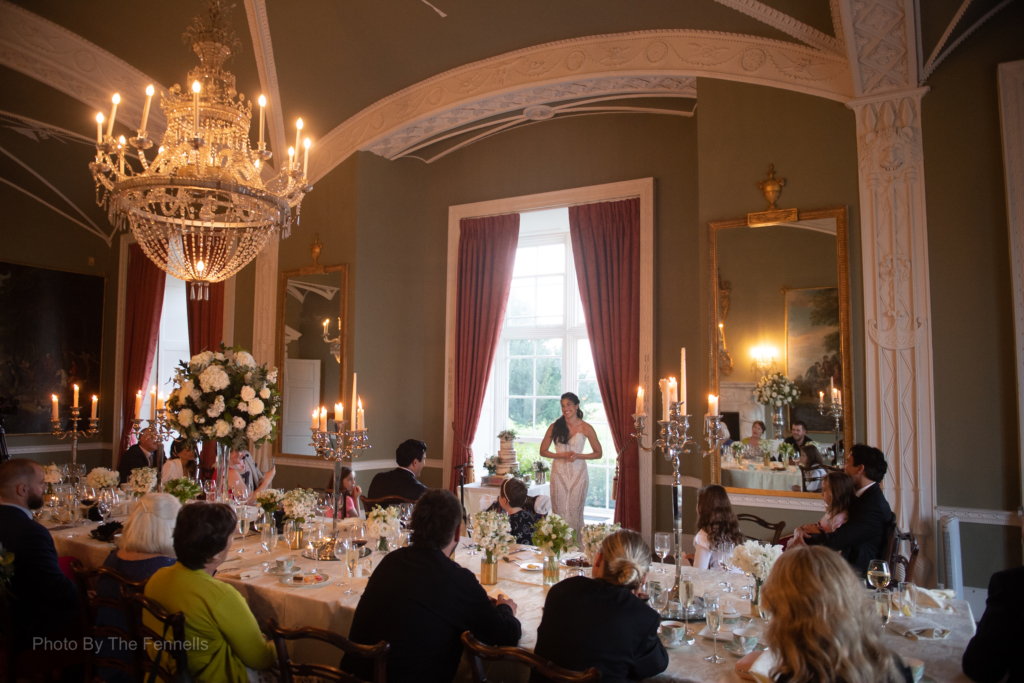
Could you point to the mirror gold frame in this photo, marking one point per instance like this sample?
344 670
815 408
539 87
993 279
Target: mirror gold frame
840 215
282 293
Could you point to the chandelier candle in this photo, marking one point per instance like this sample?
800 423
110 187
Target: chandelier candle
354 399
120 153
360 425
682 380
145 109
316 420
323 419
196 88
99 128
54 396
113 113
298 135
305 157
263 105
152 403
339 412
640 402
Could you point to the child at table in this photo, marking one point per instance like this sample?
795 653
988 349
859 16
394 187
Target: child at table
717 527
838 492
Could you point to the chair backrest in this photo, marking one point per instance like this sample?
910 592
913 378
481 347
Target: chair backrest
91 602
371 503
809 476
288 670
901 567
777 526
478 653
169 642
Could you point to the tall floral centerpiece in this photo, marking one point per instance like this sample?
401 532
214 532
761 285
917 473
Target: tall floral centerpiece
298 505
225 397
593 537
492 533
757 560
552 535
383 523
141 481
776 391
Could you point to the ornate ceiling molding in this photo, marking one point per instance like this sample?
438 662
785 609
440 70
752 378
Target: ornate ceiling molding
63 60
786 24
677 53
881 40
259 29
401 141
939 54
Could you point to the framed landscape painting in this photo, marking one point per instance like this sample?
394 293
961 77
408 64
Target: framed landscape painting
51 338
813 351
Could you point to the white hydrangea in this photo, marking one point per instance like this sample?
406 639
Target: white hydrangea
272 376
222 428
242 407
142 480
208 431
238 423
756 559
185 417
299 504
201 360
248 393
219 356
217 408
194 394
255 406
102 478
51 474
185 392
245 358
213 378
258 428
264 393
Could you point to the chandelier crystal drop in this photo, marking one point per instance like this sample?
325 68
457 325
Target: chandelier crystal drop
200 209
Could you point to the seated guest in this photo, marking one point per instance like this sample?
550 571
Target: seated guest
813 465
421 602
823 629
600 622
146 545
182 462
142 454
993 653
757 430
864 535
717 527
245 478
45 600
798 435
226 640
838 493
403 481
349 491
511 501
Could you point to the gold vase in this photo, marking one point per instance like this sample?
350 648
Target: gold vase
488 572
551 570
294 534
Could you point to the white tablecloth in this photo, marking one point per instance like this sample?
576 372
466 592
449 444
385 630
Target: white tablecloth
329 607
760 478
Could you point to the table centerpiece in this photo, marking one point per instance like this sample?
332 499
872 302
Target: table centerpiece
593 537
552 535
756 559
492 533
383 523
183 488
141 481
298 505
776 391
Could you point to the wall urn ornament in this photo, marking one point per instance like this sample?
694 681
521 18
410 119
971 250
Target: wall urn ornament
771 188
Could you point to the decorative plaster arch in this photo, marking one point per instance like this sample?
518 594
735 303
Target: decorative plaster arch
678 53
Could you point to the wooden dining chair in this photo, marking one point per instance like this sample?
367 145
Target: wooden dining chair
479 653
371 503
289 670
901 567
169 649
808 477
91 602
776 527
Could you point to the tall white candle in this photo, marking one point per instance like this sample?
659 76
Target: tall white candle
160 401
323 419
360 421
145 108
663 385
55 406
95 405
640 402
339 412
99 128
298 134
673 390
305 157
113 113
138 405
682 381
316 419
152 403
263 104
75 403
354 404
196 88
712 404
120 152
291 157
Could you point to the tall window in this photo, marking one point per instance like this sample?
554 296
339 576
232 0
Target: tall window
543 352
172 344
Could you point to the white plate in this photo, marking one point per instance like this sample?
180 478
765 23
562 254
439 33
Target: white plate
531 566
280 572
293 584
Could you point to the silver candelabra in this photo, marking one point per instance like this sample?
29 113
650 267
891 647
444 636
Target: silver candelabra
675 440
346 445
159 425
835 411
74 433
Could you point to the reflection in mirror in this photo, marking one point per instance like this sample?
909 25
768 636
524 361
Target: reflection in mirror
311 349
782 305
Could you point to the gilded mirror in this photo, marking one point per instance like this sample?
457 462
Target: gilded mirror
312 308
780 303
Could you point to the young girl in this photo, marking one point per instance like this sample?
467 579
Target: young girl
813 464
349 491
838 492
717 527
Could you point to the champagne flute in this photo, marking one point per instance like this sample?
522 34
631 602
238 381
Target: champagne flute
713 610
315 537
348 553
686 596
724 560
882 606
242 514
662 546
659 596
878 574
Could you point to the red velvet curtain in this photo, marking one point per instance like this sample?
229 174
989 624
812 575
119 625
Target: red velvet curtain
487 255
606 250
205 332
142 311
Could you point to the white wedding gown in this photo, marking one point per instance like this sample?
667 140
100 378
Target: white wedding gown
569 482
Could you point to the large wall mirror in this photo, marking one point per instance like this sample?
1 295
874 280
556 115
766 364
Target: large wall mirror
780 303
311 342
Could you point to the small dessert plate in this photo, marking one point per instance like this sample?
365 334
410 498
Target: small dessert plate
297 581
733 649
283 572
531 566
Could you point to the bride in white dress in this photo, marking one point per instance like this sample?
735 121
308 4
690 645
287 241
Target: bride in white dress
569 478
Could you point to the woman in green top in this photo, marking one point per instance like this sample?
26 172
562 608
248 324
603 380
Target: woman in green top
224 639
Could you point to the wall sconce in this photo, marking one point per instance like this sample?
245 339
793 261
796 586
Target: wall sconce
335 343
764 359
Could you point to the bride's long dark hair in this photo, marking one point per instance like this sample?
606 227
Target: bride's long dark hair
560 431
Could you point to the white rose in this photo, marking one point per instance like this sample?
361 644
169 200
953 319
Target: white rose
185 417
208 431
213 378
248 393
258 428
217 408
242 407
255 406
245 358
201 360
200 420
185 391
264 393
223 428
238 422
219 356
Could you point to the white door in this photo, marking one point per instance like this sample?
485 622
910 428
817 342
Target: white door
301 398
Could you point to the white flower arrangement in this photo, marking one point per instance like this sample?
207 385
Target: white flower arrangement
382 522
298 504
491 464
787 451
142 480
184 489
492 532
593 537
553 535
225 397
756 559
51 474
103 478
770 447
776 390
269 499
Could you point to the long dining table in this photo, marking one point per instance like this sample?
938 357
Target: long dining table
333 605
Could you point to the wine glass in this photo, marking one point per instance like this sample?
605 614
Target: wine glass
86 497
882 606
686 596
713 610
662 546
242 514
358 533
104 504
315 536
659 596
324 502
878 574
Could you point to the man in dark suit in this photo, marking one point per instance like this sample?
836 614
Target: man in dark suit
797 435
139 455
421 602
403 481
864 536
993 653
45 601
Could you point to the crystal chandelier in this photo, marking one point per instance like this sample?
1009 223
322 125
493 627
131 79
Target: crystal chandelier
200 209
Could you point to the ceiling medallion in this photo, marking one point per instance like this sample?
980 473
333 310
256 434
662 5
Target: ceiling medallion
539 112
201 209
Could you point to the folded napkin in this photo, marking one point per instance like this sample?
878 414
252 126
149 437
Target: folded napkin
936 600
105 532
725 635
916 629
756 666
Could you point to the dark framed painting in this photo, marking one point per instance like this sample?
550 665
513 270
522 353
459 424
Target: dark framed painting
51 338
813 352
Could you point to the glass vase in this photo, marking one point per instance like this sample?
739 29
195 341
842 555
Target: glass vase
294 534
382 544
223 489
551 569
755 598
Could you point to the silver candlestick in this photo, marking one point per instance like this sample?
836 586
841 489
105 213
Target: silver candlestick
835 411
674 442
346 445
74 433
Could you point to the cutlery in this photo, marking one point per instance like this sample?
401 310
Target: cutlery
511 561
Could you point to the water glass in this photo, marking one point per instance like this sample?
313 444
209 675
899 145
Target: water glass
881 599
104 504
906 599
268 537
662 547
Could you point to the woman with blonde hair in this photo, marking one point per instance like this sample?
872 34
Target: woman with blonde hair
146 545
823 627
600 622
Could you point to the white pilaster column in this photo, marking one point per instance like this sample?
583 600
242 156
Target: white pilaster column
264 320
